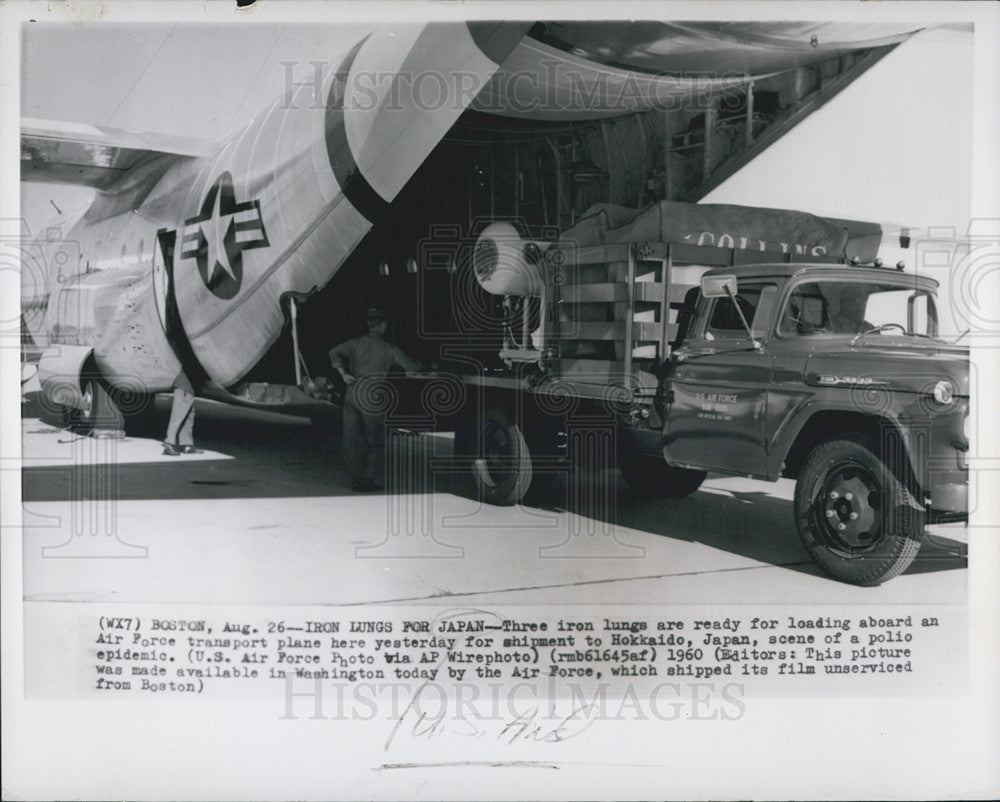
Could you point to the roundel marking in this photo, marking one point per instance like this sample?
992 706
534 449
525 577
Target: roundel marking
217 237
359 193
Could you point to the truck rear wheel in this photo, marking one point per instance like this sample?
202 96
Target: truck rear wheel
856 518
653 478
500 462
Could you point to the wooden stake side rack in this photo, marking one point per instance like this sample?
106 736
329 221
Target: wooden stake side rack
610 313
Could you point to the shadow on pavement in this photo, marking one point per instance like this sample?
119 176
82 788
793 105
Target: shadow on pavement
276 456
751 523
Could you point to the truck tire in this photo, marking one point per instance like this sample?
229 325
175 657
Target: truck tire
651 477
501 462
857 520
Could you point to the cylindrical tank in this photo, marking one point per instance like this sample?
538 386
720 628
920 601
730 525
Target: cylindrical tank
506 264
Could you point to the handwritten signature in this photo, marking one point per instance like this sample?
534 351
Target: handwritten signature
526 726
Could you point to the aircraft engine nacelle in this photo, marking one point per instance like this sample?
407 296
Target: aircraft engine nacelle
505 264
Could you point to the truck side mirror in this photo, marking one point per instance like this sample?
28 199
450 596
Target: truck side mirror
718 286
724 286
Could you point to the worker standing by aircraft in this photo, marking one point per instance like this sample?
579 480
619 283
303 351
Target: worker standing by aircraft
180 429
364 427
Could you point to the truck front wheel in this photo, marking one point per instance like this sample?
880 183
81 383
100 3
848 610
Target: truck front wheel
856 519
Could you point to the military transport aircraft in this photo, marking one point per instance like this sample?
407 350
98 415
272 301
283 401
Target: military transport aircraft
193 256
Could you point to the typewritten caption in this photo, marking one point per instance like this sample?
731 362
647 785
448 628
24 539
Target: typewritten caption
146 651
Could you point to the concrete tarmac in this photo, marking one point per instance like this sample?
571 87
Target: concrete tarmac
266 516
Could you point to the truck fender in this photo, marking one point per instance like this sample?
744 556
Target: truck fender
787 435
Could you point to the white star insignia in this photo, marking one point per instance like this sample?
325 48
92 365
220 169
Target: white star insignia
215 230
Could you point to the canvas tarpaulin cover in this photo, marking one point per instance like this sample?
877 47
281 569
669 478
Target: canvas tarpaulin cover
727 226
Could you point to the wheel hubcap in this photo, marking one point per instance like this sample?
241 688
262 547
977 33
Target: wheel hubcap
848 507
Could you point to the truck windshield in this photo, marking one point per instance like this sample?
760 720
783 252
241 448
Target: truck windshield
849 308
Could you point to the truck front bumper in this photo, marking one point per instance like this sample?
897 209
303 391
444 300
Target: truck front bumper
949 490
951 497
946 463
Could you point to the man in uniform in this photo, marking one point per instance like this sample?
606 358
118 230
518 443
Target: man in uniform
364 424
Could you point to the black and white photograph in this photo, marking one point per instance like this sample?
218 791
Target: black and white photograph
501 401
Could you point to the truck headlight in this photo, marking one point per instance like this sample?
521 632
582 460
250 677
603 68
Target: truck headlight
944 392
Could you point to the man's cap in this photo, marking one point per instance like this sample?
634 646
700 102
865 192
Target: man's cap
375 314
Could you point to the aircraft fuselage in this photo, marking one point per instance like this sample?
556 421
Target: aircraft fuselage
185 262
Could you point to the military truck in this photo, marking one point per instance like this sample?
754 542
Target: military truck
673 359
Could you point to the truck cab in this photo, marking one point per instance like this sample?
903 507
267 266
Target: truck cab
833 376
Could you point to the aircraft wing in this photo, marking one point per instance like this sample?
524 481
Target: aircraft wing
84 155
585 70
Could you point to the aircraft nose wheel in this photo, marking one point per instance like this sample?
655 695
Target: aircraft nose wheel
98 414
81 419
